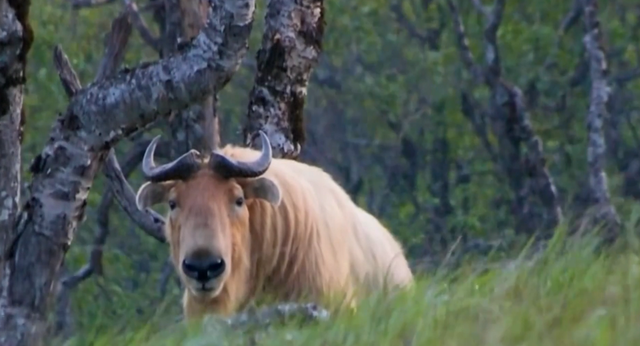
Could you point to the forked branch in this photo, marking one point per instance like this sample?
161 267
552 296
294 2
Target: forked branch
509 120
68 77
148 220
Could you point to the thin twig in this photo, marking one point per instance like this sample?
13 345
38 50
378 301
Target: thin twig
116 44
431 37
463 43
68 77
141 25
148 220
569 21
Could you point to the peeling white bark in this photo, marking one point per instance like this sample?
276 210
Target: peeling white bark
291 47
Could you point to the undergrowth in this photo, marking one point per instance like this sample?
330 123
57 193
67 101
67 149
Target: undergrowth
571 294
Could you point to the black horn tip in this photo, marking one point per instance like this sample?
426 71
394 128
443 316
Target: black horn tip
264 140
151 148
148 163
229 168
155 139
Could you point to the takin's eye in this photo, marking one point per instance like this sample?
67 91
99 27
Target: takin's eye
172 204
239 201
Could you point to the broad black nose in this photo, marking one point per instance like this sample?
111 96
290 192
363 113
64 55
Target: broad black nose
203 269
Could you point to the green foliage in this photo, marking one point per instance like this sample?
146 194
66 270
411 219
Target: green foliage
386 75
570 295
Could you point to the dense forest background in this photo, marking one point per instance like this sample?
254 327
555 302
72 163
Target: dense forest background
398 117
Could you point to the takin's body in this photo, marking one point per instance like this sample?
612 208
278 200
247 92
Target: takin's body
317 243
243 226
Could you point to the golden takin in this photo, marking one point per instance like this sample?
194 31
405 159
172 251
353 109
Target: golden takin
243 226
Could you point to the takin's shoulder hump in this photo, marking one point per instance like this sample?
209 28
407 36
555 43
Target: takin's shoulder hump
382 254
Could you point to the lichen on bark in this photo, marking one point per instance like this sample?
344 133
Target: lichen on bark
291 47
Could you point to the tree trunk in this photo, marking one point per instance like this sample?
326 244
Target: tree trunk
95 120
16 37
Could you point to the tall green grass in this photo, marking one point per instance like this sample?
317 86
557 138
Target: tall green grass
570 294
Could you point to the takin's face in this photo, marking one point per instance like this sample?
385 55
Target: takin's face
208 219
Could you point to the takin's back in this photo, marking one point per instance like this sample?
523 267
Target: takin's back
334 242
378 259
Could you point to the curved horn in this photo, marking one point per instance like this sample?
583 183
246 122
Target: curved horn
230 168
179 169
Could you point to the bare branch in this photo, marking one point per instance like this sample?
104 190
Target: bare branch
111 169
141 25
473 111
68 77
116 176
95 259
116 44
192 76
463 43
97 117
595 118
538 179
291 45
172 27
149 221
567 23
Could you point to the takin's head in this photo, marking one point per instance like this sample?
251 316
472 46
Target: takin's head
208 217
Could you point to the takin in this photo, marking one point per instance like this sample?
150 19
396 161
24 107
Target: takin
242 226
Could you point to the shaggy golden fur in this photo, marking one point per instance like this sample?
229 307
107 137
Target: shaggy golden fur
300 237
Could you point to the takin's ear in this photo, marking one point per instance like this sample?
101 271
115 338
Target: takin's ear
150 194
262 188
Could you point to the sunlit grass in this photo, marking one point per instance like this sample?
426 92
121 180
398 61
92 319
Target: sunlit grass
570 295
